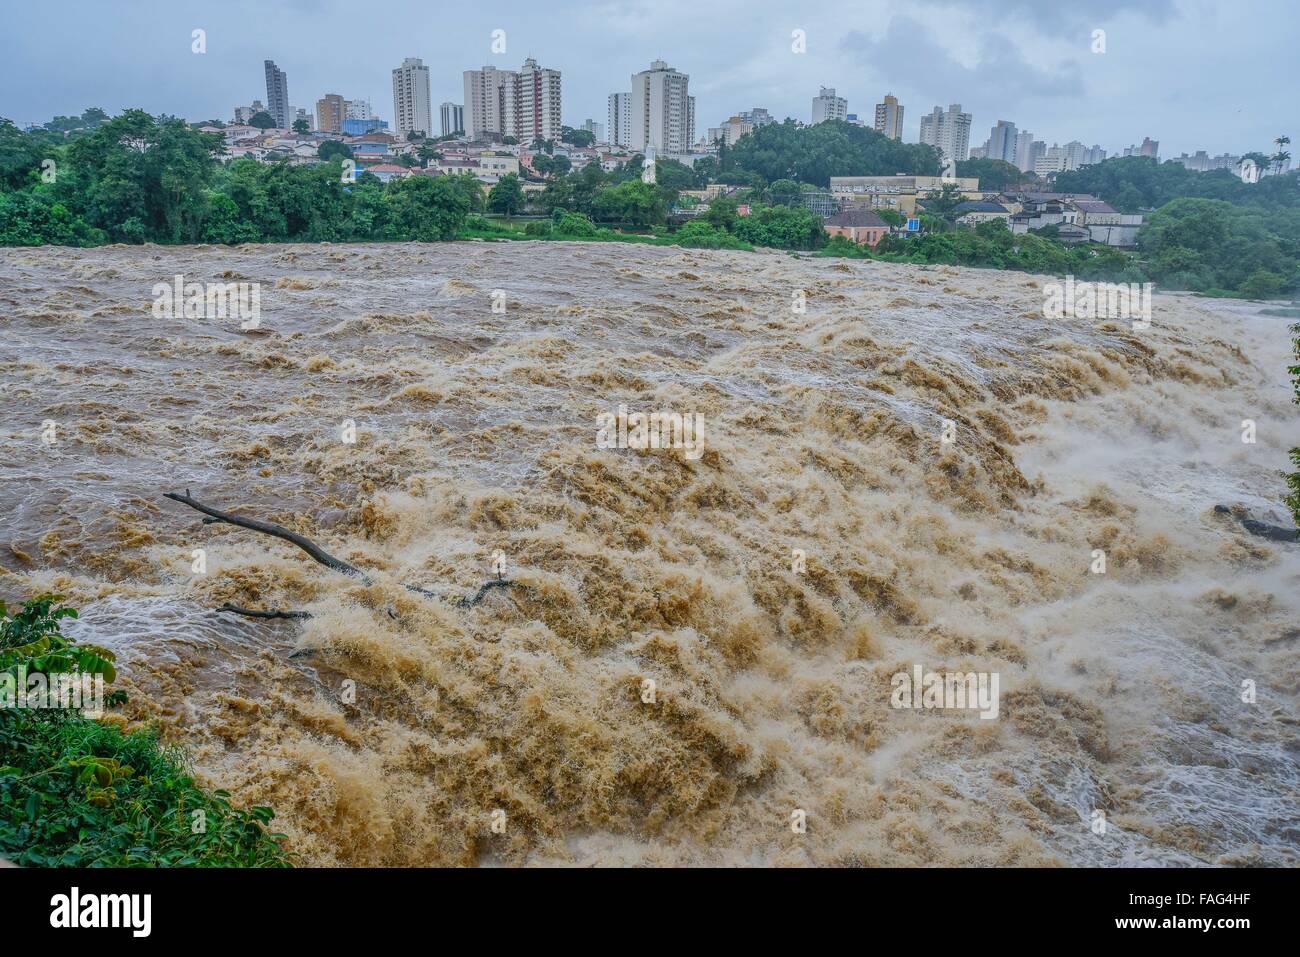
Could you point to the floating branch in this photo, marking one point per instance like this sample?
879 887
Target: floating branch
215 516
483 590
254 613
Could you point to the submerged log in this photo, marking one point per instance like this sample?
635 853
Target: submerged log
215 516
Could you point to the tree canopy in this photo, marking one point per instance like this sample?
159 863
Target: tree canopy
813 154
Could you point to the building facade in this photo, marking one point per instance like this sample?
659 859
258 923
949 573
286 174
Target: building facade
245 113
331 111
1001 143
411 111
277 95
536 103
523 103
663 111
889 117
1149 147
948 132
827 106
619 124
451 118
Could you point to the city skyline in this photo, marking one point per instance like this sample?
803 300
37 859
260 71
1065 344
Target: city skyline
1040 75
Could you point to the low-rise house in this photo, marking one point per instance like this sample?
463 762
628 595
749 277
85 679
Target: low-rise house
387 171
1087 217
494 165
860 226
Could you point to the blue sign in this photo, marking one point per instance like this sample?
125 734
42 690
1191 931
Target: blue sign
913 225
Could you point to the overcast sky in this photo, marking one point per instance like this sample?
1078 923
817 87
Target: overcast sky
1193 74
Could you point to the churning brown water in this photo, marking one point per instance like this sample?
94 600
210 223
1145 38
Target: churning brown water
476 433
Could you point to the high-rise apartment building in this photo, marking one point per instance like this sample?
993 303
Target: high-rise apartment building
889 117
452 118
1024 160
597 130
1001 144
537 103
949 132
277 95
331 111
411 108
523 103
1149 147
619 126
489 99
360 109
827 106
663 111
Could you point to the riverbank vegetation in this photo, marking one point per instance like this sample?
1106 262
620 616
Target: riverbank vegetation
80 792
135 178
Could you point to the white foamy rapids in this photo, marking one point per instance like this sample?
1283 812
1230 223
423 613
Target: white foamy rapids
476 433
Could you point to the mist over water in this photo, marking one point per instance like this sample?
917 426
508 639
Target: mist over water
476 432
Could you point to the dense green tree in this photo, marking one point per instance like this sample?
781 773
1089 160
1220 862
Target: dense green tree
576 137
302 127
262 120
721 213
674 177
993 174
706 167
943 202
34 218
631 202
507 195
813 154
782 227
152 171
332 149
1136 183
21 155
425 208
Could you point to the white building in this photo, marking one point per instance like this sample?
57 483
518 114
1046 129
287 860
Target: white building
949 133
452 118
360 109
523 103
889 117
620 119
827 106
1024 151
245 113
489 99
663 111
411 111
597 130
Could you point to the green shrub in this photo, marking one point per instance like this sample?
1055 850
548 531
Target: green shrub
77 792
565 223
700 235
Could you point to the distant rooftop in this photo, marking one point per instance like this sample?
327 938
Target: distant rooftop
856 217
